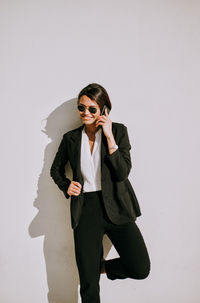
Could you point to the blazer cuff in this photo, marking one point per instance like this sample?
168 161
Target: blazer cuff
113 155
66 194
65 188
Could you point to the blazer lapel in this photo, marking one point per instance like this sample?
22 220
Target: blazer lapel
76 149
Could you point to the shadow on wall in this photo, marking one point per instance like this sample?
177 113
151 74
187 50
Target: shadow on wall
53 217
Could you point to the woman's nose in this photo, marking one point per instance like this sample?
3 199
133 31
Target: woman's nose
86 111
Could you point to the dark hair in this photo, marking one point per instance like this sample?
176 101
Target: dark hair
97 93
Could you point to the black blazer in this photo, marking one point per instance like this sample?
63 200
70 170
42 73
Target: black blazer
118 195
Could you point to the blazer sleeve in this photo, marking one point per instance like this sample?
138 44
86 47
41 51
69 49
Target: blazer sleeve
120 160
57 170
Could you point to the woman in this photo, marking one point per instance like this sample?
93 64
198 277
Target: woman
102 198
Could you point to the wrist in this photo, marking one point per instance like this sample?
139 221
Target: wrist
114 147
110 137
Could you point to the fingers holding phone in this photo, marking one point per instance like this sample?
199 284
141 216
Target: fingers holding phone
105 122
105 111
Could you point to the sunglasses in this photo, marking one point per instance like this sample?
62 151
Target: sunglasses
91 109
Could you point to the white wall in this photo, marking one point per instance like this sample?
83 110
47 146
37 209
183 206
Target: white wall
146 54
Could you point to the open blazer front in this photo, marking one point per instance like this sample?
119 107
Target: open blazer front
118 195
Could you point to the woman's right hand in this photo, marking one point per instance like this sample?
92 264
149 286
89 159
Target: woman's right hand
74 188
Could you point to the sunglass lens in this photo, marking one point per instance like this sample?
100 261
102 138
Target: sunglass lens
93 110
81 108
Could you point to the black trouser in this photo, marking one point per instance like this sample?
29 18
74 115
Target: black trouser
88 236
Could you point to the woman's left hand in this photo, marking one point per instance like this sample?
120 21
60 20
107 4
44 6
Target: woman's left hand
106 123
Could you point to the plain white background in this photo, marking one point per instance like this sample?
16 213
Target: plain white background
146 54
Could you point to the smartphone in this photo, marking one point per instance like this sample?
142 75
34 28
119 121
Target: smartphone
103 110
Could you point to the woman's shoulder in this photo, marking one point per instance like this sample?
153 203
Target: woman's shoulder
118 125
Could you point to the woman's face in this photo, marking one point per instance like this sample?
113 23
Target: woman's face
87 117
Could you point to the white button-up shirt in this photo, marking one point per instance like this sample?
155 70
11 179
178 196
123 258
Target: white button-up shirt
91 163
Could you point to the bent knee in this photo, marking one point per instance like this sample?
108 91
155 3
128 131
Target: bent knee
143 275
140 273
